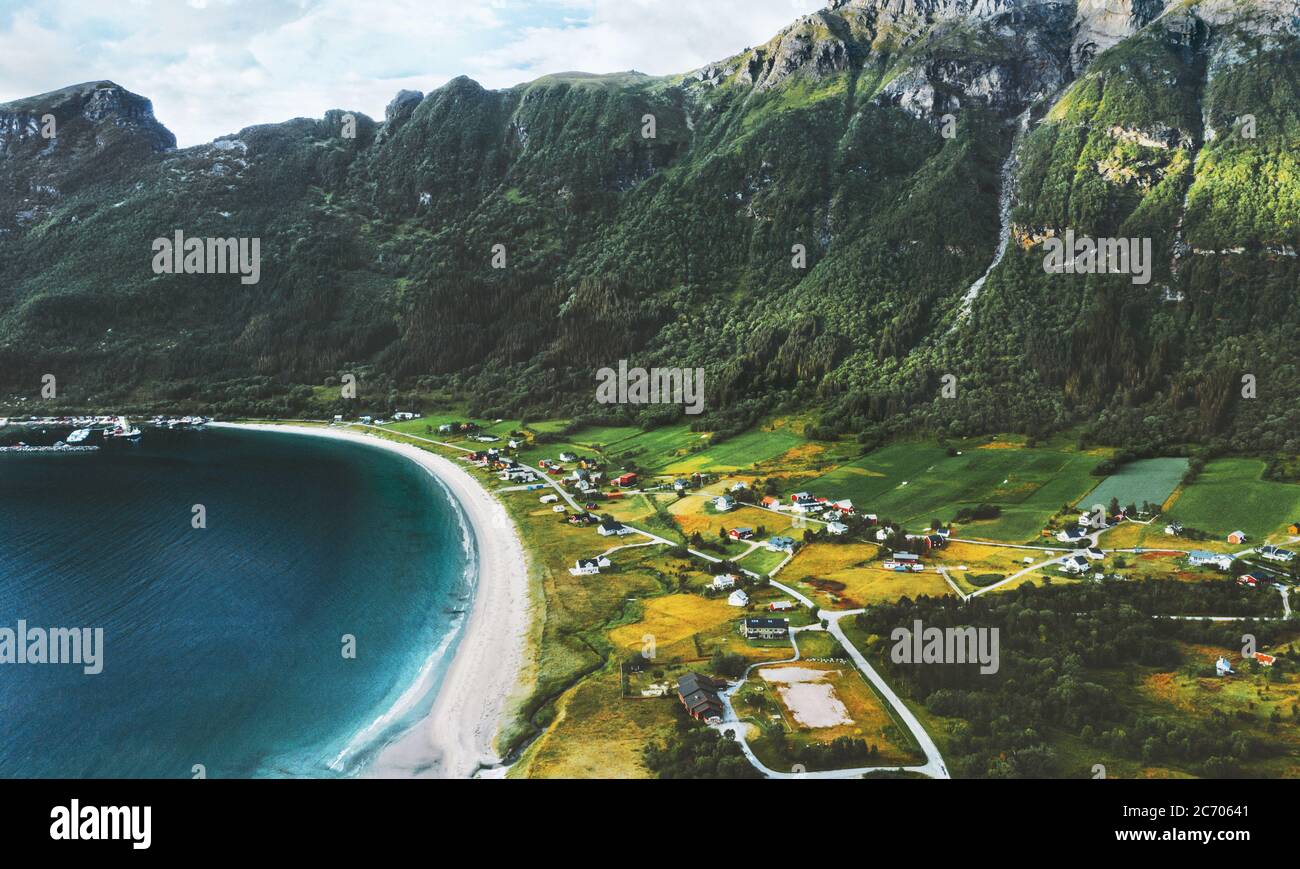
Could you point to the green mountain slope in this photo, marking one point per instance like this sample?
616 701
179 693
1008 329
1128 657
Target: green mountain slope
677 250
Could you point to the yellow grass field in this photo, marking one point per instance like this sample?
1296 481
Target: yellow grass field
695 513
818 569
673 620
985 559
597 733
1131 535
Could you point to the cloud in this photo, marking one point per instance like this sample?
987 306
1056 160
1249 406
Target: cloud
214 66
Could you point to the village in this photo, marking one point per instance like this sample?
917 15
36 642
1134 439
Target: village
744 585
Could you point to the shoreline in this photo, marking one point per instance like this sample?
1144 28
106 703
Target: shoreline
457 738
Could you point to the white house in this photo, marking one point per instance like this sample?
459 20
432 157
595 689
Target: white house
404 416
1075 564
550 499
722 503
613 528
1223 667
589 566
837 528
1273 553
738 598
1173 529
723 581
1201 558
1070 535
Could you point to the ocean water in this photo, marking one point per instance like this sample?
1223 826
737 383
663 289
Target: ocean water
223 646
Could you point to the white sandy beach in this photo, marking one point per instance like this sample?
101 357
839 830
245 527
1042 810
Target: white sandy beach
458 736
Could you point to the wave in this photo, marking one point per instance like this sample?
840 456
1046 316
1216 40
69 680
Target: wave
414 704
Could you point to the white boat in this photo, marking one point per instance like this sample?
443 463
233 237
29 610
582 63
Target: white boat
79 435
122 428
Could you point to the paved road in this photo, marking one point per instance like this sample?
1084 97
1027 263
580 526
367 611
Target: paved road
934 765
1094 541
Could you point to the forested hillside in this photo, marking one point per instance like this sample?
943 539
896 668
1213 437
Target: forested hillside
877 134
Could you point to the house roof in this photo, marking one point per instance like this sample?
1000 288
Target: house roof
702 701
762 622
692 682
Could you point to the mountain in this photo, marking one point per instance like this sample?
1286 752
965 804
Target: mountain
908 145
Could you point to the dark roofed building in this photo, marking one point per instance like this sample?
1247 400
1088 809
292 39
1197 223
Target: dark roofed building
699 694
765 629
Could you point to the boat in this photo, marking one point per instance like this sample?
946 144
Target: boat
122 428
79 435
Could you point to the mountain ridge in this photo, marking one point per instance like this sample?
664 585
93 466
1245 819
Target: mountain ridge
674 248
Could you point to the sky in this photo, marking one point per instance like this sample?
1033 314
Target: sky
212 67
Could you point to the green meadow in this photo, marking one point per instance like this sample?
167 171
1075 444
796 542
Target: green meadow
675 449
1230 496
912 483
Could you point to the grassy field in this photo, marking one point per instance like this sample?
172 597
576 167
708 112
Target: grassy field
762 561
913 483
597 733
1230 496
676 450
1137 482
847 576
695 513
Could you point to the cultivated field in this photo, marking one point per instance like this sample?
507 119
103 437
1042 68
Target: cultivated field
1137 482
913 483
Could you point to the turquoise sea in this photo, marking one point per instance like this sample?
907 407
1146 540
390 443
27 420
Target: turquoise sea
223 646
